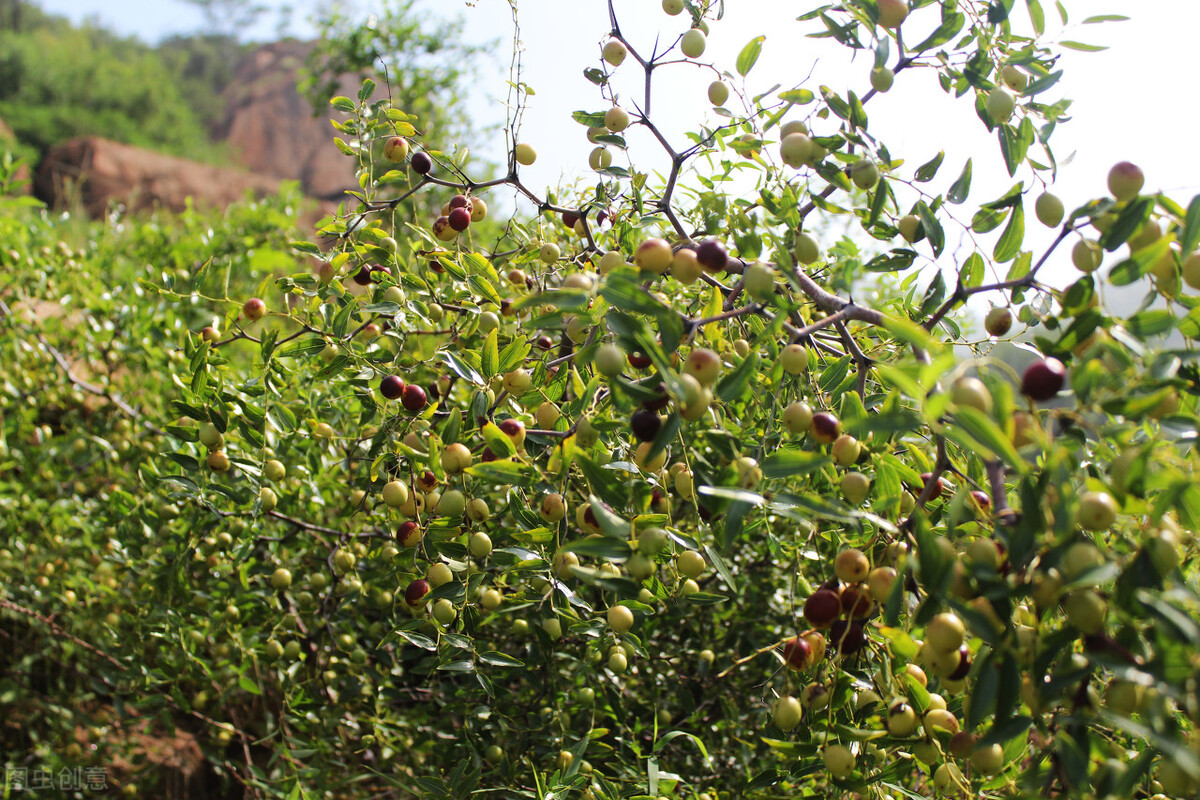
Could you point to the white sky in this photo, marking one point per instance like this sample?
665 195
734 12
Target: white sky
1129 101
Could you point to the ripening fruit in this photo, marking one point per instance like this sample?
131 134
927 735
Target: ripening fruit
267 499
882 79
254 309
846 450
1086 255
718 93
609 360
690 564
901 718
1043 379
274 471
786 713
218 462
600 158
1049 210
210 437
281 579
712 255
549 253
517 382
1000 105
685 268
1097 511
807 251
672 7
693 43
839 761
854 487
945 632
998 321
971 392
910 228
479 209
620 619
825 428
794 359
822 607
892 13
797 417
1125 180
395 494
480 544
616 119
852 566
654 255
456 458
880 582
704 365
553 508
614 52
796 150
421 163
490 599
525 154
864 173
759 280
395 149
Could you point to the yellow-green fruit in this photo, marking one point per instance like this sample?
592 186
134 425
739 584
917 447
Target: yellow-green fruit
1049 210
614 52
1086 610
525 154
1000 105
797 417
1014 78
620 619
616 119
864 173
395 494
759 281
807 251
910 228
839 761
971 392
600 158
274 471
882 79
1086 255
690 564
786 713
854 487
796 150
794 359
693 43
718 93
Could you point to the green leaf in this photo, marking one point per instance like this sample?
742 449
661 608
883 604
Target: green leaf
489 356
503 472
928 170
733 385
299 348
749 55
498 659
787 462
988 439
497 441
1013 236
961 187
1152 322
1191 227
1085 48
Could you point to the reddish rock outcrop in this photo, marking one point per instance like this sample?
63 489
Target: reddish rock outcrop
94 171
270 127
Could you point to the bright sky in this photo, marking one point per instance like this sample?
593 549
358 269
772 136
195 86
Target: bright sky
1127 99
